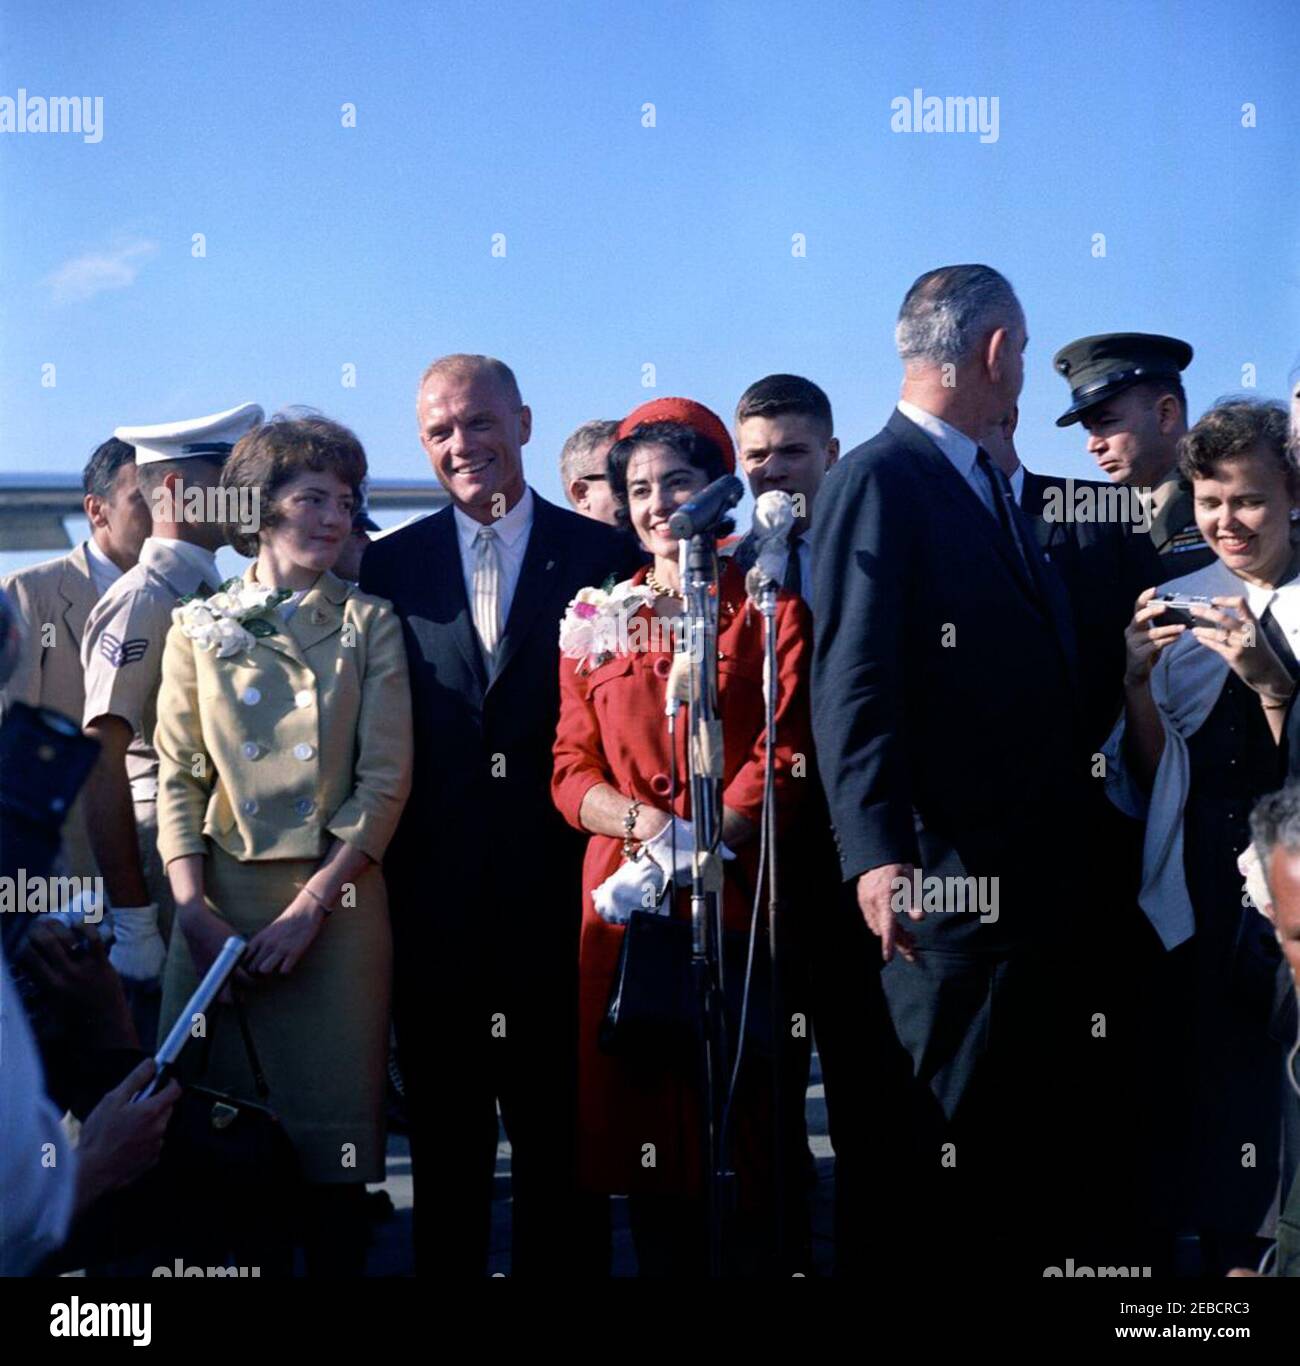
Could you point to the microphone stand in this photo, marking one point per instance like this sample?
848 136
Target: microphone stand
767 609
705 767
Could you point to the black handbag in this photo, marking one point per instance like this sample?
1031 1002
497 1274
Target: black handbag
229 1163
652 1017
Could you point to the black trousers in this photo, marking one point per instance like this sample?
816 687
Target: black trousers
867 1076
991 1147
510 1040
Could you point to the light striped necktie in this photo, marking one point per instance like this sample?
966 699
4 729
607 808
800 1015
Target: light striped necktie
487 592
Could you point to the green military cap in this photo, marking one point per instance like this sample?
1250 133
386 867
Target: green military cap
1099 367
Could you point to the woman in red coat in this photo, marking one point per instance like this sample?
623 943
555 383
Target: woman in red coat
639 1127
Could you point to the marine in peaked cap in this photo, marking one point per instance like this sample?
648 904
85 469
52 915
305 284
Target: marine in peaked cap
1126 391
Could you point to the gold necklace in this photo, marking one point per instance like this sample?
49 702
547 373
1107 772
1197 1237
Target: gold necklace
658 589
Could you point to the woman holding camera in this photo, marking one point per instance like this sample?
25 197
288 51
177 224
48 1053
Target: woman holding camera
1205 698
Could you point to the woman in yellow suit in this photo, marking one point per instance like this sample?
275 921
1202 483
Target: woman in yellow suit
284 741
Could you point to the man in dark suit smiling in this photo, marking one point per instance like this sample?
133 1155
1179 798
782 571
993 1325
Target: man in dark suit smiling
484 875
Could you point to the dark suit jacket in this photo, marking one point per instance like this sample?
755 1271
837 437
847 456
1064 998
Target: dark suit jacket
483 872
945 702
1104 566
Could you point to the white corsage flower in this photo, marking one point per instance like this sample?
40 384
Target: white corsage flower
230 620
594 627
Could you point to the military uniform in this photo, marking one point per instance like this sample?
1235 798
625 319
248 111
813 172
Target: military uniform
59 594
1174 533
1098 368
121 654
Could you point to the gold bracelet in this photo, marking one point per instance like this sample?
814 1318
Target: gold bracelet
631 847
329 910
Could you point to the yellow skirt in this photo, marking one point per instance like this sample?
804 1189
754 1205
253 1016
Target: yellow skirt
321 1034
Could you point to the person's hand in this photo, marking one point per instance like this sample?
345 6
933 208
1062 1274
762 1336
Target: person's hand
121 1137
1232 632
277 948
876 897
72 964
1144 638
206 935
138 951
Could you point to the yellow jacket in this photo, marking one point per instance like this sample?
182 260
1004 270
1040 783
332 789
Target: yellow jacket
304 735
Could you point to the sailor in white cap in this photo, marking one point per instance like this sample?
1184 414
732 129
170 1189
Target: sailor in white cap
121 652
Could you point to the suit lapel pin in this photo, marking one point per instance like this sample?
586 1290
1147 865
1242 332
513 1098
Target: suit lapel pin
318 616
550 564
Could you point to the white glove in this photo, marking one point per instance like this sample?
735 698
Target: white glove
638 885
660 848
138 949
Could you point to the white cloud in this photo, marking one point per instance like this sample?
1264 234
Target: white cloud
95 271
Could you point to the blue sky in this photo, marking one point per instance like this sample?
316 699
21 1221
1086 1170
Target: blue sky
625 245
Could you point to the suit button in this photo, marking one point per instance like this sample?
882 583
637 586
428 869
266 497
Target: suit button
303 751
663 667
249 806
250 697
660 785
304 806
251 749
304 697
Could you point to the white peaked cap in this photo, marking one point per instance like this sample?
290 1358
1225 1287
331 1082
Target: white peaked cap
212 435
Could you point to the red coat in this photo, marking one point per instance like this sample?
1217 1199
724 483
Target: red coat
612 730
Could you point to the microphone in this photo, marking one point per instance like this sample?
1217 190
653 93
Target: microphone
707 508
773 519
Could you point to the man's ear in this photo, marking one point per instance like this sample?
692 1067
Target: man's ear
832 451
1168 413
995 352
525 424
93 506
578 494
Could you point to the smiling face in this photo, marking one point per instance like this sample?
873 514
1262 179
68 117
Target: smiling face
473 433
789 453
659 481
1244 513
314 511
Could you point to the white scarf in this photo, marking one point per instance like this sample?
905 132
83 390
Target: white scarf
1185 685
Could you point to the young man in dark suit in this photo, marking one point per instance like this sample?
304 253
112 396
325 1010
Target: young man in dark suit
484 875
947 719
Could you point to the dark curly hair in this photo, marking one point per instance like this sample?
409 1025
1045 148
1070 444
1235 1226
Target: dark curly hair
271 455
694 447
1233 428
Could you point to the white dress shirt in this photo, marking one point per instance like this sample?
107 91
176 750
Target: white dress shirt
957 446
103 571
1017 482
512 539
